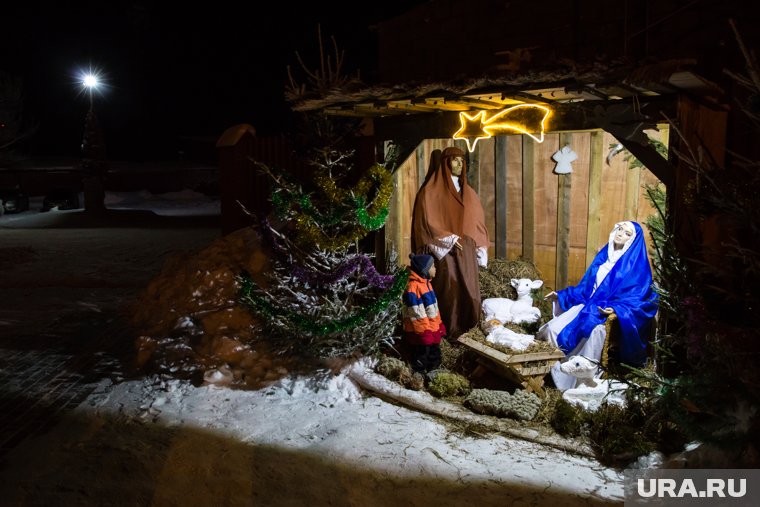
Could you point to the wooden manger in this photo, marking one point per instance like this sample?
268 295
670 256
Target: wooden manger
526 369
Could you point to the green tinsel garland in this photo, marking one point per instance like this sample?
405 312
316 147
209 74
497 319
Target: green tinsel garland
283 204
377 174
371 219
310 224
332 219
309 326
310 233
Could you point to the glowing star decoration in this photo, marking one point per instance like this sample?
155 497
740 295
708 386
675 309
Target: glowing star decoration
529 119
471 127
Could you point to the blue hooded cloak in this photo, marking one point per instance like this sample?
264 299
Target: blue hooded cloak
627 289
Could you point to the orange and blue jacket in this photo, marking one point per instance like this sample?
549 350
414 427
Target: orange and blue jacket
422 320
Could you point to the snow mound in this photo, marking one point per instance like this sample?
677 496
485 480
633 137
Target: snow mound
191 325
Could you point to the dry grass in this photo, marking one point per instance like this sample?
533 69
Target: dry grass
495 279
537 346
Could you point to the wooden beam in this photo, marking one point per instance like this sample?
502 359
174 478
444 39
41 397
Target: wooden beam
594 222
526 97
627 122
349 113
652 160
563 221
440 104
617 90
528 197
406 105
500 194
416 127
365 110
478 103
614 116
494 97
590 90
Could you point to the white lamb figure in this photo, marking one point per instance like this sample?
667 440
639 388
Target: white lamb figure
582 368
523 310
520 310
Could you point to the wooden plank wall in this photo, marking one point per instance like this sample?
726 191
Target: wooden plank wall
558 221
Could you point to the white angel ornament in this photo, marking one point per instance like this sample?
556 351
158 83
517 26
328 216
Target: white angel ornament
564 157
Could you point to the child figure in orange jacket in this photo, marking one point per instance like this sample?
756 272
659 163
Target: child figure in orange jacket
423 328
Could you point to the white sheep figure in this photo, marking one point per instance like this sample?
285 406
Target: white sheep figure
519 311
591 398
582 368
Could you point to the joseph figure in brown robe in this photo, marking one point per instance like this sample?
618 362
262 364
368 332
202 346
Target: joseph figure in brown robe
449 223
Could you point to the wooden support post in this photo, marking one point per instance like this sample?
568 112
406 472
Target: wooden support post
632 192
473 169
500 198
594 223
421 164
563 221
528 196
397 201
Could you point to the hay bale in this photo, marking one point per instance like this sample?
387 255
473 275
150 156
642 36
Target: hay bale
520 405
448 385
395 370
495 282
495 279
566 419
452 355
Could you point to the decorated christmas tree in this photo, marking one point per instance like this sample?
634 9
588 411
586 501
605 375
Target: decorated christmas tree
325 298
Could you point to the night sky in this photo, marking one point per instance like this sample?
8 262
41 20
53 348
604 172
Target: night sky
173 70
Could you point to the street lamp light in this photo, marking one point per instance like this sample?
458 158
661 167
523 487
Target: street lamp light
90 82
94 164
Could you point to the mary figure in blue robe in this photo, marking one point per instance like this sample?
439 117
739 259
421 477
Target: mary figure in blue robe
619 280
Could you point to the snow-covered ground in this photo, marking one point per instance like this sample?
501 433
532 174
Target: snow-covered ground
183 203
306 440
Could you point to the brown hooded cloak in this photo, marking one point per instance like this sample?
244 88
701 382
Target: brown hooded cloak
440 211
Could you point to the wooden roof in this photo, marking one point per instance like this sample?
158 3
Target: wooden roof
622 100
600 84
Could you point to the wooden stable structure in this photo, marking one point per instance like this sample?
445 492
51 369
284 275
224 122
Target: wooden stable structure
605 73
558 221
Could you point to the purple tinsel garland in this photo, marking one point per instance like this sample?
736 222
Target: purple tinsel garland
345 268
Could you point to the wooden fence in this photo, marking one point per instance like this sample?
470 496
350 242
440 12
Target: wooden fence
241 181
558 221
